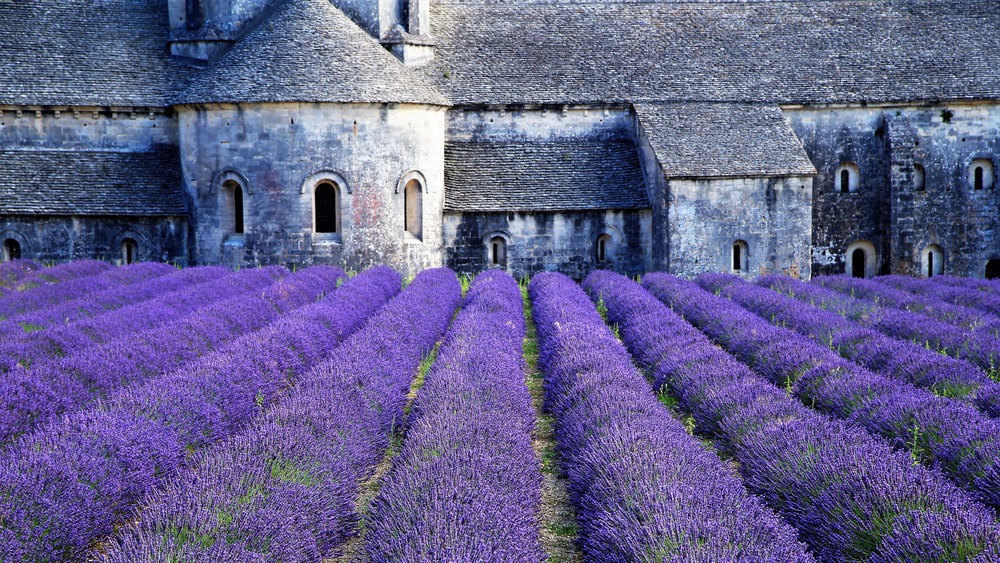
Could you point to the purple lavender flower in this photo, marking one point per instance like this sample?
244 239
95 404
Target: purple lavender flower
644 489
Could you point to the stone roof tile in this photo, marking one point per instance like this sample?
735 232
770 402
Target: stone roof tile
309 51
53 182
723 140
543 176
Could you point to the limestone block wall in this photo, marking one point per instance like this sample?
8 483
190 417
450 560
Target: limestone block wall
133 129
772 216
61 239
537 123
277 153
832 137
549 241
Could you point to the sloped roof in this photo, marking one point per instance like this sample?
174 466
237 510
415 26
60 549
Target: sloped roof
309 51
52 182
816 51
723 140
543 176
86 53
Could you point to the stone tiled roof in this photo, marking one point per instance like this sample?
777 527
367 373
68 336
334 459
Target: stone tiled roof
86 53
543 176
309 51
722 140
817 51
50 182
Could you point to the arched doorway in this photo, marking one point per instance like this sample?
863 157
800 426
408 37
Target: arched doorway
933 261
11 250
858 260
993 269
130 251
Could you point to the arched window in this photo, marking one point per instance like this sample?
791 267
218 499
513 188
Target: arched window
933 261
413 209
860 258
498 252
232 208
919 178
740 255
11 250
130 251
847 177
603 251
981 174
327 204
993 269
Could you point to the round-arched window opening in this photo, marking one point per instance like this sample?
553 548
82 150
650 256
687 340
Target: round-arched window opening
413 209
603 251
498 252
130 251
919 178
981 174
860 258
231 213
932 258
993 269
327 204
847 177
11 250
740 255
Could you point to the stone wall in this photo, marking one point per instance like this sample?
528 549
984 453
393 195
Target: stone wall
278 152
772 216
61 239
132 129
549 241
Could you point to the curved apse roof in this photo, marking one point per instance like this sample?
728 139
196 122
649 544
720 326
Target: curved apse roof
309 51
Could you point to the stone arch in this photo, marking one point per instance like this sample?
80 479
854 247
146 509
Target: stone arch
847 177
869 255
932 261
232 174
605 242
412 175
327 208
919 177
980 172
118 246
10 236
496 245
318 176
414 187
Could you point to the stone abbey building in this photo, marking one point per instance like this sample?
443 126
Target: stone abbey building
801 136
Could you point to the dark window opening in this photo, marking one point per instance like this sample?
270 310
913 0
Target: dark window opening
930 264
413 209
858 262
238 210
130 251
193 14
979 178
737 257
845 181
993 269
602 248
326 209
498 252
11 250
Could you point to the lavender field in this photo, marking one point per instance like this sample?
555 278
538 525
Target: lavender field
155 414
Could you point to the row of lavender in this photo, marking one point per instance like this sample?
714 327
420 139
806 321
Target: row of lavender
283 488
644 489
850 496
69 483
943 433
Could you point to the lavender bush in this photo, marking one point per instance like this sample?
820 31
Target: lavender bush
48 294
107 300
467 484
284 489
72 482
644 489
851 497
894 359
946 434
955 294
13 271
50 388
55 274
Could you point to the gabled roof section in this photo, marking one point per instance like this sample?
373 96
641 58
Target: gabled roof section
53 182
543 176
86 53
309 51
619 51
697 140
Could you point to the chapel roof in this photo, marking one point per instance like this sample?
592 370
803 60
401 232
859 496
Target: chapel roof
543 176
779 52
309 51
723 140
86 53
91 182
